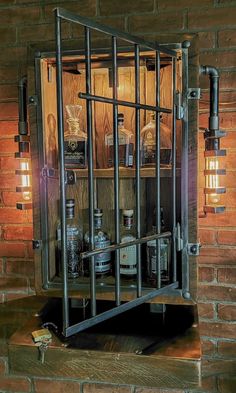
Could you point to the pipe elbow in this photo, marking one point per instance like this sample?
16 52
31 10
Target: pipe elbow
209 70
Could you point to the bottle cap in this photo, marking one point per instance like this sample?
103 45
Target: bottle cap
98 212
70 203
120 116
128 212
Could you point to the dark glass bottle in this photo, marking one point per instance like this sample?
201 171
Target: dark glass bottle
74 242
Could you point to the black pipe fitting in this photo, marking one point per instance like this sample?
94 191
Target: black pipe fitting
22 105
213 74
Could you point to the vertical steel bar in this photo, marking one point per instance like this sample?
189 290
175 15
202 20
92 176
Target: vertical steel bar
158 163
184 176
90 169
137 163
116 169
173 244
60 121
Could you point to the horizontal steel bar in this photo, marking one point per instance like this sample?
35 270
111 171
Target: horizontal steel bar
123 103
118 310
71 17
114 247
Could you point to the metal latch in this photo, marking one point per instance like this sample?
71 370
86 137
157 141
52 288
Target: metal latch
194 248
179 240
194 93
49 172
179 107
36 244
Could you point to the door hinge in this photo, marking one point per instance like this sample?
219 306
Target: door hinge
179 106
194 248
36 244
194 93
49 172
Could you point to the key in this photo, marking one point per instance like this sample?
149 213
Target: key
42 349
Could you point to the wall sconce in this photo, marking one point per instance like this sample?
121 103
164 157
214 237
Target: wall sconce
23 154
213 153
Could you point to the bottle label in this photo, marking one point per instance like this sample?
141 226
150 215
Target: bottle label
75 154
73 247
151 256
102 260
128 260
126 155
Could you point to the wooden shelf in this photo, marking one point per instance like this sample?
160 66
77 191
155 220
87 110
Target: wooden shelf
125 173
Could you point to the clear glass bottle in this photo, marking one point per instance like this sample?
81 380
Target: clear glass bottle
75 140
128 265
101 240
164 256
148 143
74 242
126 145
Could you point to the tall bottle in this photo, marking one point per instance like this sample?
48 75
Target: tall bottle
164 256
101 240
148 143
126 145
75 140
74 242
128 265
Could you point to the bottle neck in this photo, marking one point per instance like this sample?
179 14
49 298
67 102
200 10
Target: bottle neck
97 222
74 126
128 222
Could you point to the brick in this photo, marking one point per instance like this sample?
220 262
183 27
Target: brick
84 7
9 198
227 38
219 58
162 22
15 384
106 388
211 18
8 128
118 7
206 39
17 232
19 15
56 386
162 4
217 329
227 120
227 312
218 293
15 250
227 383
227 349
226 219
39 32
206 310
13 284
208 347
157 390
8 35
23 268
8 92
227 275
9 55
8 146
8 111
228 80
207 236
12 216
229 141
226 98
205 274
9 74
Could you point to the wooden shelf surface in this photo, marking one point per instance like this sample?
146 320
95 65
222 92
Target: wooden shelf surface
125 172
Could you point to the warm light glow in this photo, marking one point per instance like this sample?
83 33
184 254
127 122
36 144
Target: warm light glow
25 179
212 181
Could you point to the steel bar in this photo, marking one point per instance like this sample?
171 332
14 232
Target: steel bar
60 122
108 30
118 310
116 170
114 247
184 177
130 104
137 165
173 243
90 170
158 163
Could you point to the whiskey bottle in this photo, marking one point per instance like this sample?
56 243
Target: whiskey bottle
75 140
74 242
148 143
101 240
151 250
126 145
128 254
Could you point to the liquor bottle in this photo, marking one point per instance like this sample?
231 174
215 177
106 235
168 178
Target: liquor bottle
148 143
75 140
128 264
126 145
74 242
164 256
101 240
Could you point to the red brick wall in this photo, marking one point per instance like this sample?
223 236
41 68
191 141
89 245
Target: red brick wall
30 21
